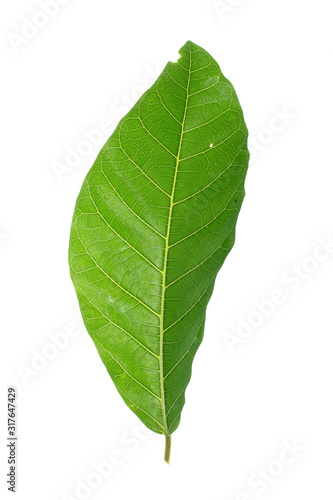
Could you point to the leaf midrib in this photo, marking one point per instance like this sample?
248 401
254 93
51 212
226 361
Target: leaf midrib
164 414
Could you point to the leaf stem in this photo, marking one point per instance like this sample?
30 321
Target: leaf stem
167 449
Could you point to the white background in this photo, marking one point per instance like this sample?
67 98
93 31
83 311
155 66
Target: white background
247 396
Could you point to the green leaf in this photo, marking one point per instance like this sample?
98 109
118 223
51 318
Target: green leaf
153 223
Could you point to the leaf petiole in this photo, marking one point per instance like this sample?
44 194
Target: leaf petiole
167 449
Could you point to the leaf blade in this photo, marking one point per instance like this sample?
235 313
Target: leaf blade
154 222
